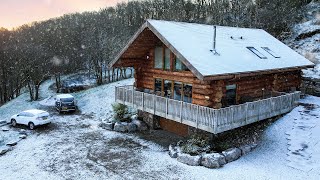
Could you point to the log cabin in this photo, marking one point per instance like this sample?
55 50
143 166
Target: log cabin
191 77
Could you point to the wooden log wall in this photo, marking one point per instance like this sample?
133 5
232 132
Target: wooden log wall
211 93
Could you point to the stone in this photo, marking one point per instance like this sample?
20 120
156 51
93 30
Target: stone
4 129
4 150
22 131
23 136
213 160
108 126
253 146
141 126
13 143
189 160
132 127
173 152
121 127
232 154
245 149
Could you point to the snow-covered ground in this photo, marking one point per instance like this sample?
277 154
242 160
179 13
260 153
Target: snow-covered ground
75 147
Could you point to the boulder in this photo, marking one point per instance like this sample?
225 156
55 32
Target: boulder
213 160
5 149
245 149
189 160
173 152
22 131
121 127
23 136
108 126
132 127
232 154
253 146
141 126
13 143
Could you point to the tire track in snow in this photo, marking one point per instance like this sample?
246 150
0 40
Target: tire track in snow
303 138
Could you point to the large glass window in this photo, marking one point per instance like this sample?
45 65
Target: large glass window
179 66
158 87
167 59
167 89
158 58
178 91
187 93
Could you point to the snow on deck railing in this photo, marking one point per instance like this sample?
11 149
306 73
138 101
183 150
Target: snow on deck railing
205 118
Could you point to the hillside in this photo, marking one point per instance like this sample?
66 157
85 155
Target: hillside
305 38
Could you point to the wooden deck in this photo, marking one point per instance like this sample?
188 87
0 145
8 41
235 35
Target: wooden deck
204 118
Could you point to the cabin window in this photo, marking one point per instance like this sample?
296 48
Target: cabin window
178 91
158 87
158 58
167 59
167 89
231 95
272 53
257 53
187 93
179 66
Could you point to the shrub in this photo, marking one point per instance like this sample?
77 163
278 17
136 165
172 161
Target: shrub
196 144
120 111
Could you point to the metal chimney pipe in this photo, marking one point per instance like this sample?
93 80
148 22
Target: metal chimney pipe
214 38
214 50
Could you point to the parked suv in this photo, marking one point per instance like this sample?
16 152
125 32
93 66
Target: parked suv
65 103
31 118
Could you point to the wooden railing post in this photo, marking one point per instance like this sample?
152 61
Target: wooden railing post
166 107
154 104
197 116
181 105
133 98
142 101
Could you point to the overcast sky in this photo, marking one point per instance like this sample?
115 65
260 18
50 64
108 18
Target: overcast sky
14 13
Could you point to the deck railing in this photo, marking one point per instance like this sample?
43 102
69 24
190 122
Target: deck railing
205 118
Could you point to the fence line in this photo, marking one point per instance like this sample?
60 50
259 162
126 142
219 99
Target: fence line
205 118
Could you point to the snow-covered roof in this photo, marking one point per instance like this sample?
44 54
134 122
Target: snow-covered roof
35 111
193 42
62 96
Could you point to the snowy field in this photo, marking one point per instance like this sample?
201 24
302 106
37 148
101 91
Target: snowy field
75 147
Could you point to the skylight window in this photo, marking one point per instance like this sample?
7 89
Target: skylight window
256 52
272 53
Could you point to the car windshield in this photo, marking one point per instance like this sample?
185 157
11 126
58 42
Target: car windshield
67 99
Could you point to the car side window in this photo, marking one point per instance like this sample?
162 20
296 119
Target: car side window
29 115
21 114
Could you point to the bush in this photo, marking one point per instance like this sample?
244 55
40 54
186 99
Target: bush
120 111
196 145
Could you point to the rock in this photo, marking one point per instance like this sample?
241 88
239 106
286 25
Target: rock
141 126
4 129
13 143
173 152
253 146
108 126
232 154
22 131
5 149
189 160
245 149
23 136
214 160
132 127
121 127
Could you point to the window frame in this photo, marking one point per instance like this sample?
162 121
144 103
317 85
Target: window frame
269 51
256 52
175 58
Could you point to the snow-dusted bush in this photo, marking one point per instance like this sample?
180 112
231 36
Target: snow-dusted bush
120 112
196 144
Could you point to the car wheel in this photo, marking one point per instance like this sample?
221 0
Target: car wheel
13 122
31 126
